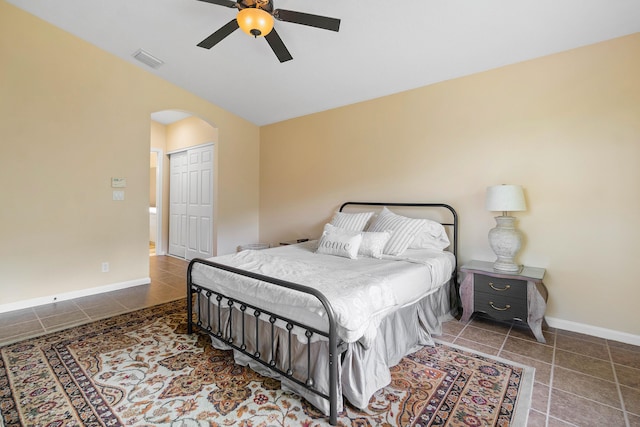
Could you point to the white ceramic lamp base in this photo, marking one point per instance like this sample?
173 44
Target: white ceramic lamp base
505 240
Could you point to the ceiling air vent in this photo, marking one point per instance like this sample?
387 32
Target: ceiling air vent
147 58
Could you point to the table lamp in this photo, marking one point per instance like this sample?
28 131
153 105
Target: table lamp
505 239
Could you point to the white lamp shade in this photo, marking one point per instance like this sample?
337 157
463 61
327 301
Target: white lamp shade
505 198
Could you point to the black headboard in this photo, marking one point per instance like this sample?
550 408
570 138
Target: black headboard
453 214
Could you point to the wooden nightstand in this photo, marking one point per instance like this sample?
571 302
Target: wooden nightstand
505 296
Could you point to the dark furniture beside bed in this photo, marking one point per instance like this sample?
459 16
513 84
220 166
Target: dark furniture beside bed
268 340
505 296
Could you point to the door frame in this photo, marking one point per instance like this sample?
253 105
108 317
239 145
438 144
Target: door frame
159 205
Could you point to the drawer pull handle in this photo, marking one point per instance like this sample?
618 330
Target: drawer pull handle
506 307
506 287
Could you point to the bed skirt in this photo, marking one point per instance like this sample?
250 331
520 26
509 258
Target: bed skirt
363 371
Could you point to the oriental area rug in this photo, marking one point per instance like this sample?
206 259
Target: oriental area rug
143 369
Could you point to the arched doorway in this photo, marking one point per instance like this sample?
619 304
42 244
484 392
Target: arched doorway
173 131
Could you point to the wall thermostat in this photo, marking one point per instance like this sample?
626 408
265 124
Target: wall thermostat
118 182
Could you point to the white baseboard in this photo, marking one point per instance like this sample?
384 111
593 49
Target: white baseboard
34 302
595 331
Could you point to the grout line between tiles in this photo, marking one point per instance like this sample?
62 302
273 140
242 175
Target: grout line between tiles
615 377
504 341
553 368
40 321
614 381
549 417
82 310
458 336
591 400
122 305
464 327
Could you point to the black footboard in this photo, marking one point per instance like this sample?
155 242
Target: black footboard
250 330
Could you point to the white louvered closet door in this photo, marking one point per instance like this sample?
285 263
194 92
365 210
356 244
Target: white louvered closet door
191 206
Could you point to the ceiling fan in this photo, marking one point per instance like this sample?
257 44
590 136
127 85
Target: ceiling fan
255 17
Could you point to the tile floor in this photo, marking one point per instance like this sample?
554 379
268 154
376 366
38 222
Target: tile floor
580 380
168 283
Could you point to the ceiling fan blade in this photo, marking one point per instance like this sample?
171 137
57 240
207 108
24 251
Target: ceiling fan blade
317 21
278 46
217 37
227 3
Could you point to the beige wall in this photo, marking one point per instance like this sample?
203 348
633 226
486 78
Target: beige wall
190 132
158 136
566 127
74 116
153 171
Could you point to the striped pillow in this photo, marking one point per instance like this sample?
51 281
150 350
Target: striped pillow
351 221
403 230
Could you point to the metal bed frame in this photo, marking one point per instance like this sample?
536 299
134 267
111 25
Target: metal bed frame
336 346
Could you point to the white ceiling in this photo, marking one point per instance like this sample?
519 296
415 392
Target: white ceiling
167 117
383 47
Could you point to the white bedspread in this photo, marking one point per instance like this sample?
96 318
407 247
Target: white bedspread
360 291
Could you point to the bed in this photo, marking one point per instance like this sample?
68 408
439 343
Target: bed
326 320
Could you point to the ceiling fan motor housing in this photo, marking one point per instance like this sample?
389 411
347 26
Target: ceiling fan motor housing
266 5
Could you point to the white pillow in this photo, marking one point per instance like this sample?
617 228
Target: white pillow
373 243
339 242
432 236
403 230
351 221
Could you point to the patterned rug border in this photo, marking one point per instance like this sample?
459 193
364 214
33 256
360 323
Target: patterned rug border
521 407
525 391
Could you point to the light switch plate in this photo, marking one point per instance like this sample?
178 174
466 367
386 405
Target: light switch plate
118 195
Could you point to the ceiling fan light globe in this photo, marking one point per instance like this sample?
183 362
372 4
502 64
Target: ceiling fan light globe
255 22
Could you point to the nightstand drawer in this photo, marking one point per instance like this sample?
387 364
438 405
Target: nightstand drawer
500 287
501 307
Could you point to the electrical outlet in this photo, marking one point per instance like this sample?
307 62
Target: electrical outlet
105 267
